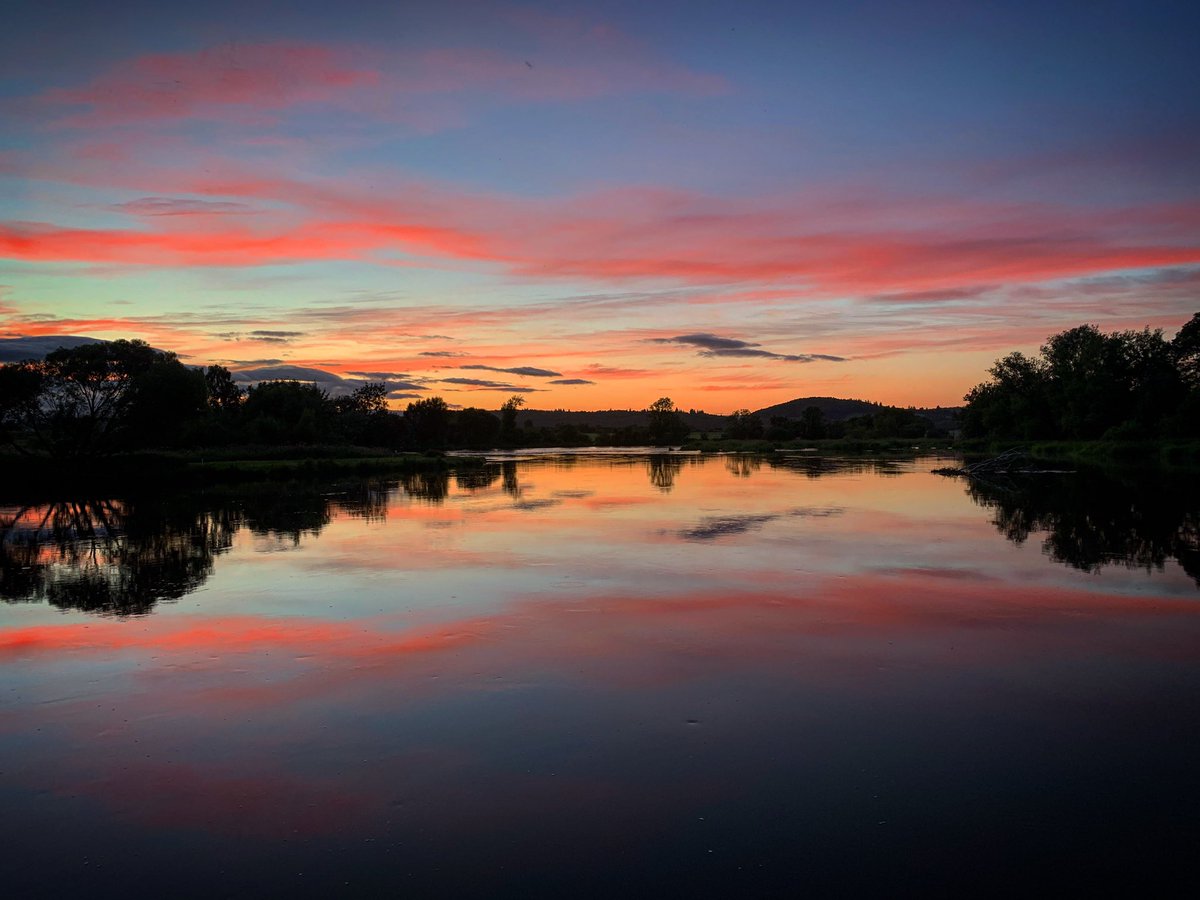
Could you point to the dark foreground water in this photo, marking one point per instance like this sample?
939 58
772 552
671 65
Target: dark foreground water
610 676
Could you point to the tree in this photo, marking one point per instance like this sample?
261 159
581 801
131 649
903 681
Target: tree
666 425
1083 389
1185 349
287 411
476 428
428 423
508 418
20 389
363 417
223 393
812 423
1086 385
166 403
743 425
89 400
367 399
1148 377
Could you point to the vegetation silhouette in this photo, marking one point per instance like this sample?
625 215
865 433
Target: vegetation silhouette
93 400
666 425
1087 385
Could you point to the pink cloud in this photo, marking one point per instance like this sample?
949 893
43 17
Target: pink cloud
250 82
630 235
207 83
232 246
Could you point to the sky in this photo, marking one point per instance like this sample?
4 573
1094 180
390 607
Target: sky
596 205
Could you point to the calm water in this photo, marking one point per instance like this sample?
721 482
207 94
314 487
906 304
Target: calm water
609 675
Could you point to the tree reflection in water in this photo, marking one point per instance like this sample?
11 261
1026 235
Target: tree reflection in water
1092 519
663 469
121 557
432 487
479 479
815 467
512 485
111 557
743 465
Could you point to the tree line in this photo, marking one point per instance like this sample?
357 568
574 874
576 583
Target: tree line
1087 385
119 396
116 396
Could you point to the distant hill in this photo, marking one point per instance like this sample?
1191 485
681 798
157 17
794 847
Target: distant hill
836 409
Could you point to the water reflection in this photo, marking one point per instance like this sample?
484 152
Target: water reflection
477 479
662 470
712 527
123 556
813 466
431 487
743 465
1091 519
110 557
834 674
512 486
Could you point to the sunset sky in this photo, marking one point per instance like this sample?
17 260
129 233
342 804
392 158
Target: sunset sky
596 205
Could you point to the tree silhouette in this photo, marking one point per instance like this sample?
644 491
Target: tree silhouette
508 419
288 411
1185 350
666 425
1088 385
812 423
743 424
223 393
428 423
97 398
476 429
